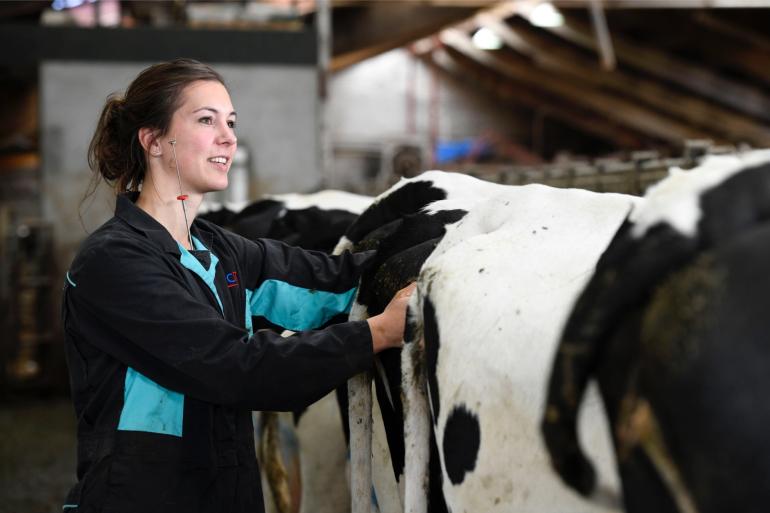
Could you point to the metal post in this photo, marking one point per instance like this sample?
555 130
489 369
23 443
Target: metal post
324 37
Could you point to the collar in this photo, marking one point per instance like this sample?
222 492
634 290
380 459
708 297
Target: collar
126 209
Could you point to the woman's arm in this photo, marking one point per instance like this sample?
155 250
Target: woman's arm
136 308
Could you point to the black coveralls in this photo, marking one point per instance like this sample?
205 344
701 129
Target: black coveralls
164 368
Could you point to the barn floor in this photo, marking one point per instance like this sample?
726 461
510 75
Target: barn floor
37 454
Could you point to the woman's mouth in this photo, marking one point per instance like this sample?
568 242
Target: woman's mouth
221 162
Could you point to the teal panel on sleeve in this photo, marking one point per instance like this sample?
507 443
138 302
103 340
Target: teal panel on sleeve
297 308
149 407
249 325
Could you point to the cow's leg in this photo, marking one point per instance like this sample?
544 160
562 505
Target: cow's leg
416 414
360 423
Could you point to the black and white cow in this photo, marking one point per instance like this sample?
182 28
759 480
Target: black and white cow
497 288
484 325
674 327
404 224
311 221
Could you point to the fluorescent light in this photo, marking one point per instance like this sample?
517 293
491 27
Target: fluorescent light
545 15
486 39
58 5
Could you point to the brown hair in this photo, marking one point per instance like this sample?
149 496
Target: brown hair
115 153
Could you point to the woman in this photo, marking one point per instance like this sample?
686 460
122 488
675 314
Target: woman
164 365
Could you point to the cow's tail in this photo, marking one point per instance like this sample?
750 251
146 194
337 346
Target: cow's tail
574 365
416 413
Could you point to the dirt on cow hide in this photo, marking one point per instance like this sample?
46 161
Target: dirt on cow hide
678 310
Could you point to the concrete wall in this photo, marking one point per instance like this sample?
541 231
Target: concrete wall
277 122
368 108
368 101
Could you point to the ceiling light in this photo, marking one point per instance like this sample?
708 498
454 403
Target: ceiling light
545 15
486 39
58 5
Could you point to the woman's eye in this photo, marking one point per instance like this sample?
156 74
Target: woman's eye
232 124
206 120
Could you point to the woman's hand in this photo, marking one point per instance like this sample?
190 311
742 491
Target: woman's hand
388 327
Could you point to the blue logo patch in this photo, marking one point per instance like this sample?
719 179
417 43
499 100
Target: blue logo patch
232 279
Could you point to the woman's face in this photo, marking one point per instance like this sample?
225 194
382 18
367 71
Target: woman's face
204 129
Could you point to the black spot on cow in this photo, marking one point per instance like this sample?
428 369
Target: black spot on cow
309 228
406 200
312 228
748 196
462 439
402 247
432 345
436 501
409 331
221 217
392 414
255 221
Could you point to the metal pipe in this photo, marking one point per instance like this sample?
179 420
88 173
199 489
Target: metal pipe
603 39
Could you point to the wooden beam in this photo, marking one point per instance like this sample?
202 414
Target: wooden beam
743 34
619 110
469 71
746 99
377 27
750 54
567 62
667 4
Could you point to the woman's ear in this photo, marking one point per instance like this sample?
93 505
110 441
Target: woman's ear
150 141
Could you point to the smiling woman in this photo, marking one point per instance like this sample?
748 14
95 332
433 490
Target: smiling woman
191 158
164 364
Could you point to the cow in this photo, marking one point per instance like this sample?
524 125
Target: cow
483 327
434 219
673 328
311 221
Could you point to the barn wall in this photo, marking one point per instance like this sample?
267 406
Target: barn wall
368 110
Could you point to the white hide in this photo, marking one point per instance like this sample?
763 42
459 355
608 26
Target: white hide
207 206
328 199
675 200
503 281
325 200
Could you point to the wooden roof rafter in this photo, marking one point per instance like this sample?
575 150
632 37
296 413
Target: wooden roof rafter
467 70
621 111
564 62
697 79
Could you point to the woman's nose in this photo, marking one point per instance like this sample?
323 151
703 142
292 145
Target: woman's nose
227 134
